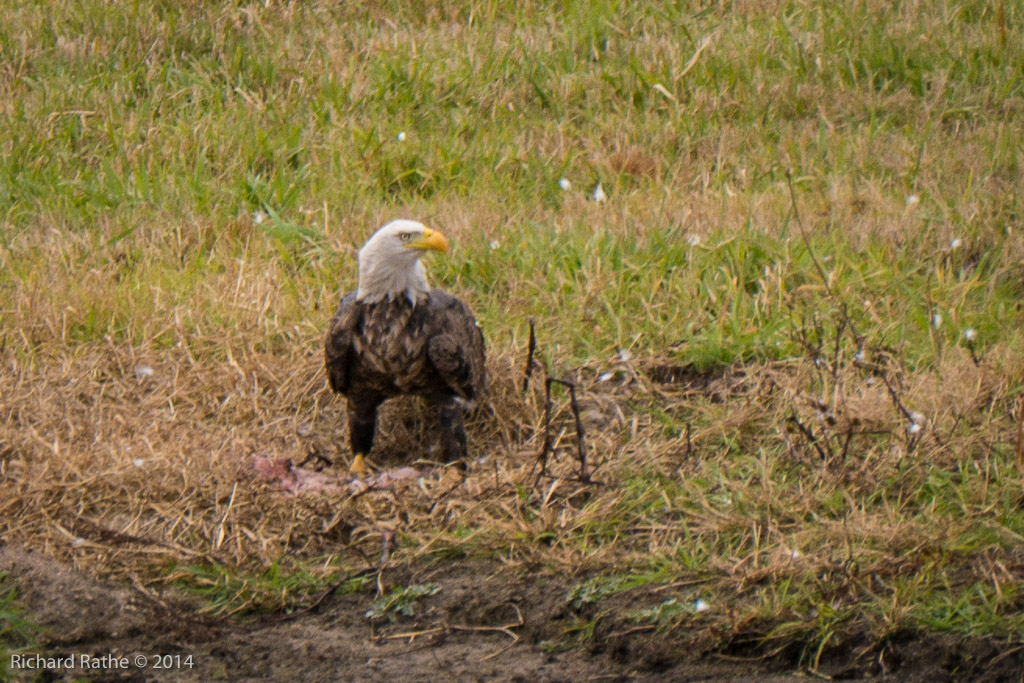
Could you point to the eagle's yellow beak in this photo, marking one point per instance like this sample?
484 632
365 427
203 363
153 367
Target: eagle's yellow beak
431 240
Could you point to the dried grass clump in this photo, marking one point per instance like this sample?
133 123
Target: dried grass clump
140 464
123 459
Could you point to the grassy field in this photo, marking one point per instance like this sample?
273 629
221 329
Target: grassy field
794 322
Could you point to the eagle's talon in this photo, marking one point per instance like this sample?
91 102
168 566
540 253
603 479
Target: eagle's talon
452 476
358 466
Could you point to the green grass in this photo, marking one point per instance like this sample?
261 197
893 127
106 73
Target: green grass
400 600
194 118
16 631
226 590
790 184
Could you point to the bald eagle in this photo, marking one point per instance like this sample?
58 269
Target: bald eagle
395 335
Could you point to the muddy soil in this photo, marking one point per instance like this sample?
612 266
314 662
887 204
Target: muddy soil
483 623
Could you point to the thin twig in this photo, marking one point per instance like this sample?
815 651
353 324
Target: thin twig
531 349
445 628
327 593
1020 430
581 452
574 480
893 395
413 635
808 434
387 544
814 259
846 443
630 631
803 233
678 584
546 448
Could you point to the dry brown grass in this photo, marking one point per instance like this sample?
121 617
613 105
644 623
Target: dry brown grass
123 472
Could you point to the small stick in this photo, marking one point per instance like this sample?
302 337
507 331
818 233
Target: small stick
575 480
689 443
814 259
546 448
913 439
1020 430
678 584
581 452
504 628
803 234
531 349
808 434
631 631
413 635
846 443
387 544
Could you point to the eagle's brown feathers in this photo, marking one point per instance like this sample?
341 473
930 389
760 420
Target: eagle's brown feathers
395 335
394 347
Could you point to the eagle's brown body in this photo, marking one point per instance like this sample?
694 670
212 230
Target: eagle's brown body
432 348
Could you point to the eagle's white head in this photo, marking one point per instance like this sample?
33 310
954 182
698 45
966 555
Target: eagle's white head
389 262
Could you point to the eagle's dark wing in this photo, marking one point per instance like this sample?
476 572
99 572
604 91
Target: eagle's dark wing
339 351
455 345
433 348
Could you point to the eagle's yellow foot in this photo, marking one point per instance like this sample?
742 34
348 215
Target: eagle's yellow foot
358 466
452 476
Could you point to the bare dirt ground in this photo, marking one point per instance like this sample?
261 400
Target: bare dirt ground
484 624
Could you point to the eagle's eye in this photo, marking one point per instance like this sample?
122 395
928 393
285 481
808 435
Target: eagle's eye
405 236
